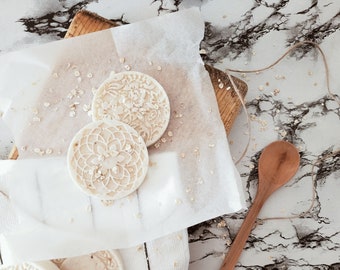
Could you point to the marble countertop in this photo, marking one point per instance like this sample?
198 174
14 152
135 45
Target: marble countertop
289 101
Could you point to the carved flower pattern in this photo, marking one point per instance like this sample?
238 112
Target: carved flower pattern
100 260
108 159
136 99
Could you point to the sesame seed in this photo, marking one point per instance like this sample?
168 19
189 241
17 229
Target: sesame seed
122 60
159 68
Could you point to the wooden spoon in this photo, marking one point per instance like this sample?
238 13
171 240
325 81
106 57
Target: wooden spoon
278 163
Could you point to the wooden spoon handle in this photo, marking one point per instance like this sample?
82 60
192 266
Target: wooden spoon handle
240 240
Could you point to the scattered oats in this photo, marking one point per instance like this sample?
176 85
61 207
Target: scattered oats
221 224
175 264
178 115
1 113
35 111
157 144
246 63
86 107
37 150
122 60
283 133
178 201
47 104
199 181
228 88
127 67
163 140
80 93
159 68
170 134
231 142
72 114
192 199
107 202
89 208
68 66
211 145
310 73
76 73
221 85
210 110
36 119
139 215
276 128
276 92
280 77
251 166
150 63
55 75
79 79
182 155
196 151
140 248
89 75
203 51
252 117
23 148
261 88
89 113
49 151
212 172
179 237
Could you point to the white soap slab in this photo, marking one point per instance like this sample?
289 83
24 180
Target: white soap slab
136 99
108 159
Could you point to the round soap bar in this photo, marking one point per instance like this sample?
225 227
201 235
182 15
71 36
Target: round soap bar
43 265
108 159
135 99
101 260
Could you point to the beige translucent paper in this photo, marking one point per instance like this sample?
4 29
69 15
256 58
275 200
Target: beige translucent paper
47 91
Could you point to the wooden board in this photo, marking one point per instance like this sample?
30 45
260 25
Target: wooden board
229 104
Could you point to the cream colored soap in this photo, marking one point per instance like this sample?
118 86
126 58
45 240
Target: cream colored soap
43 265
108 159
101 260
136 99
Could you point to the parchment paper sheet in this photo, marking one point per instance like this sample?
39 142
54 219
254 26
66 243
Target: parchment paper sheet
191 176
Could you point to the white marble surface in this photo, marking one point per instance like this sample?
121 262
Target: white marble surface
287 102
